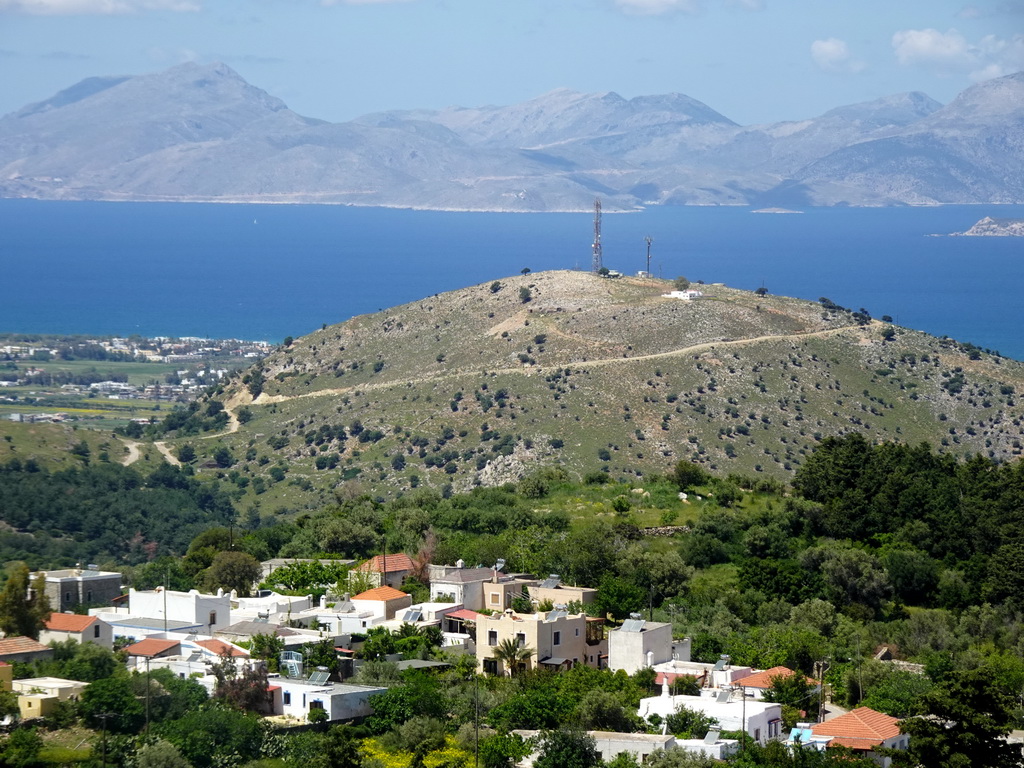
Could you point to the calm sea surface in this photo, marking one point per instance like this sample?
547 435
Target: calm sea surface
268 271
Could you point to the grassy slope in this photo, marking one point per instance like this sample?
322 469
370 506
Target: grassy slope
736 381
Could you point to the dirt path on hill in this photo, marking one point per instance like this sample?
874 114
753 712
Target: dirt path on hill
169 457
535 370
133 452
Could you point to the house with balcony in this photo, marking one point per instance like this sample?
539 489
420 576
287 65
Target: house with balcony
556 639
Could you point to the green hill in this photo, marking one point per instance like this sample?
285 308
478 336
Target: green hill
485 384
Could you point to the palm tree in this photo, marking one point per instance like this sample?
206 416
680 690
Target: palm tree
512 655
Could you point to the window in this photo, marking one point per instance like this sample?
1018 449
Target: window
315 704
287 698
492 637
757 734
67 597
577 631
88 596
213 618
521 639
96 629
557 638
495 598
491 666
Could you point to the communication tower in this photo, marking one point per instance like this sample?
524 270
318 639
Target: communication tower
648 240
598 258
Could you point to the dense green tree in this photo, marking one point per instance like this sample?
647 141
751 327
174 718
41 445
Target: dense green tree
966 721
797 694
21 612
22 748
160 754
618 597
232 571
112 701
204 735
503 750
567 749
689 723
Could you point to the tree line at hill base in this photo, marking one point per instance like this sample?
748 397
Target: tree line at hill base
876 545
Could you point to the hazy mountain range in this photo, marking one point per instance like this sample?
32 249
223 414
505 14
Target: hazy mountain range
202 133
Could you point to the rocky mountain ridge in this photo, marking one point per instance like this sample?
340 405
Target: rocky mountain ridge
202 133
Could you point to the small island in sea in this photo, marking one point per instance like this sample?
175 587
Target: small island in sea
989 227
775 210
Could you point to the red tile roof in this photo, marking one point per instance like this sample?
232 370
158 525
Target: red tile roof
763 679
221 648
670 677
861 728
394 563
69 622
381 593
13 645
465 614
151 646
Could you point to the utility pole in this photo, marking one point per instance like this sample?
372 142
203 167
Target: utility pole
476 719
743 698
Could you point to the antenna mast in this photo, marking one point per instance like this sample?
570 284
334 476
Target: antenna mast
648 240
596 264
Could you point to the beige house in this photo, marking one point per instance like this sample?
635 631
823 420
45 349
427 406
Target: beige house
552 589
498 595
82 629
557 639
39 696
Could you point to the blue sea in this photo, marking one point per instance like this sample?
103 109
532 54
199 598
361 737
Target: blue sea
270 271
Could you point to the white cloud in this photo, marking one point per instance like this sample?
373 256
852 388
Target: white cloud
658 7
931 47
951 53
94 7
833 55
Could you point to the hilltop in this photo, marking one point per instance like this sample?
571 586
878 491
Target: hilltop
202 133
486 384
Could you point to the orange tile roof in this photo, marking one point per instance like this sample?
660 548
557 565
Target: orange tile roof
221 648
151 646
381 593
394 563
69 622
17 644
861 728
763 679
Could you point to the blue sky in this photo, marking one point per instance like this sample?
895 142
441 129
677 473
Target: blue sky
755 61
